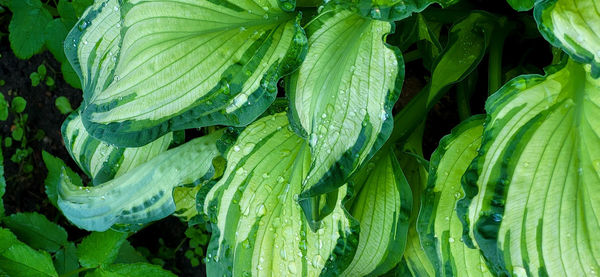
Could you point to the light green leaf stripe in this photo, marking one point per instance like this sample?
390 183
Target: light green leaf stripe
415 261
395 10
166 65
102 161
383 206
258 227
439 226
142 194
574 26
345 114
537 209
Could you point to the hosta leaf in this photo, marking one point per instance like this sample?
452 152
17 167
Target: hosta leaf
439 227
345 114
415 261
574 26
258 227
532 194
383 206
142 194
102 161
153 66
394 10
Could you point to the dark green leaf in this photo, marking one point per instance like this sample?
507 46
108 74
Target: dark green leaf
55 166
65 259
17 133
131 270
3 108
66 10
19 260
69 75
80 5
37 231
128 255
55 35
100 248
35 79
26 29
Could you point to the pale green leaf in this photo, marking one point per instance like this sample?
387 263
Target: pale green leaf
102 161
258 227
439 227
574 26
345 114
142 194
100 248
383 206
153 66
532 194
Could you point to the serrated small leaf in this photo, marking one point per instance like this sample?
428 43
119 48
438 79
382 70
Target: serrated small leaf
26 29
100 248
65 260
131 270
128 255
37 231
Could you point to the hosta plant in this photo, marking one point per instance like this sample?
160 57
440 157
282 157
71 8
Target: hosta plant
300 160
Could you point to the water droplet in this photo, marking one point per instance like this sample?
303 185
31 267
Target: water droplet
260 211
292 268
497 217
312 141
236 148
451 240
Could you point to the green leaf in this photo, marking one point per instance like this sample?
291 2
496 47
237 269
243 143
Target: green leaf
344 128
42 71
18 104
70 75
394 10
521 5
19 260
573 26
63 105
185 202
17 133
65 259
100 248
142 194
3 108
37 231
128 255
26 29
468 40
532 194
55 35
80 6
439 227
2 183
66 10
55 169
258 228
102 161
35 79
131 270
383 206
197 63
